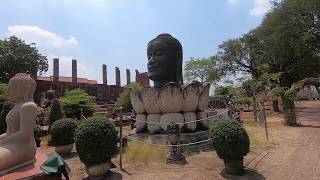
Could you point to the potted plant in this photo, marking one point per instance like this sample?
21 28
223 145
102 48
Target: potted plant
37 134
62 135
231 142
96 144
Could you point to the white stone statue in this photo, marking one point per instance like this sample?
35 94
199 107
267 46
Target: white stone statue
17 145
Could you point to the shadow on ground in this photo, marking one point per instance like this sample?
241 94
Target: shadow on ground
248 174
111 175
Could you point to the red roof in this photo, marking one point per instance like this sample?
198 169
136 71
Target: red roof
67 79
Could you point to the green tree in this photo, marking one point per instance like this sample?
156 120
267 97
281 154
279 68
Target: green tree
203 69
124 99
287 43
3 94
18 57
7 106
77 101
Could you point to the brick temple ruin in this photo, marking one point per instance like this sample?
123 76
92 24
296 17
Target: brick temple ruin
103 92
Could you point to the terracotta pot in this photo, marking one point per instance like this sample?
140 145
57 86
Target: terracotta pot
171 98
233 166
191 94
136 101
98 170
150 97
65 149
204 97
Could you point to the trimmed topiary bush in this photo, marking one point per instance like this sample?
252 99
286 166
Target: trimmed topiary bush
62 132
75 101
230 139
7 106
96 140
56 112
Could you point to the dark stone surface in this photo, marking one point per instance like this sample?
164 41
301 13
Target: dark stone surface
164 60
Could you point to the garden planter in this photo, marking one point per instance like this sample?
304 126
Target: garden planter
38 142
98 170
233 166
64 149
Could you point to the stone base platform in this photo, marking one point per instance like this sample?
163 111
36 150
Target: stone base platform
185 138
28 172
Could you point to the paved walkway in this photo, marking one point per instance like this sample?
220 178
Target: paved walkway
298 157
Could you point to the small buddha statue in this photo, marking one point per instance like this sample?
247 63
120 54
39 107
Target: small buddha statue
17 145
164 60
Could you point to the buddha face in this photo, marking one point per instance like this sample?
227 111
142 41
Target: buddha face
161 61
21 87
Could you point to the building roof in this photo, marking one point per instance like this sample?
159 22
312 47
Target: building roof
67 79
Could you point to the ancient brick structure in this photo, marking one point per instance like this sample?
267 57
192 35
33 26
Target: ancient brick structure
103 92
142 78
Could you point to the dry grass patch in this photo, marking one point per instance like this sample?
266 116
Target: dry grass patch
140 153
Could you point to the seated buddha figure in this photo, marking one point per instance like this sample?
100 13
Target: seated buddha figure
17 145
164 60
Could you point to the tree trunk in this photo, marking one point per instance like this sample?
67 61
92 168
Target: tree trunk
275 105
255 117
289 112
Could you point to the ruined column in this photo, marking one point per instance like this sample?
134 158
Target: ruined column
74 71
137 74
118 81
55 69
128 76
104 74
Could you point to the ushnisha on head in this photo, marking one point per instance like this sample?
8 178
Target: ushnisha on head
21 87
164 60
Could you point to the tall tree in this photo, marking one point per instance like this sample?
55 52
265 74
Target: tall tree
203 69
18 57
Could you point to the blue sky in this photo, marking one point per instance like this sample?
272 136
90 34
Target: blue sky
116 32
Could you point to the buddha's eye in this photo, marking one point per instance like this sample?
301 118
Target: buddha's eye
158 53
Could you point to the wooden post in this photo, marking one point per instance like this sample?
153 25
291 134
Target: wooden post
265 121
120 138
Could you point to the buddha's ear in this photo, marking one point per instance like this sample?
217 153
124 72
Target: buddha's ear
26 92
179 76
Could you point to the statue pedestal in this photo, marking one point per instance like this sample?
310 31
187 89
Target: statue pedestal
175 156
31 171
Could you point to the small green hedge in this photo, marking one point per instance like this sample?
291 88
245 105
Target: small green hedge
96 140
62 132
7 106
56 112
230 139
78 100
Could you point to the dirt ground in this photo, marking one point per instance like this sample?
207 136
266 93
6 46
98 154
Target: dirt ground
261 163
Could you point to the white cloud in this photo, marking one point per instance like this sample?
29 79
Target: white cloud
260 7
42 37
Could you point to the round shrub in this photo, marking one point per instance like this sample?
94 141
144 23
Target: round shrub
7 106
96 140
62 132
230 139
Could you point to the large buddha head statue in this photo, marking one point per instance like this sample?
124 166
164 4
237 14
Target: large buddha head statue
164 60
21 87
